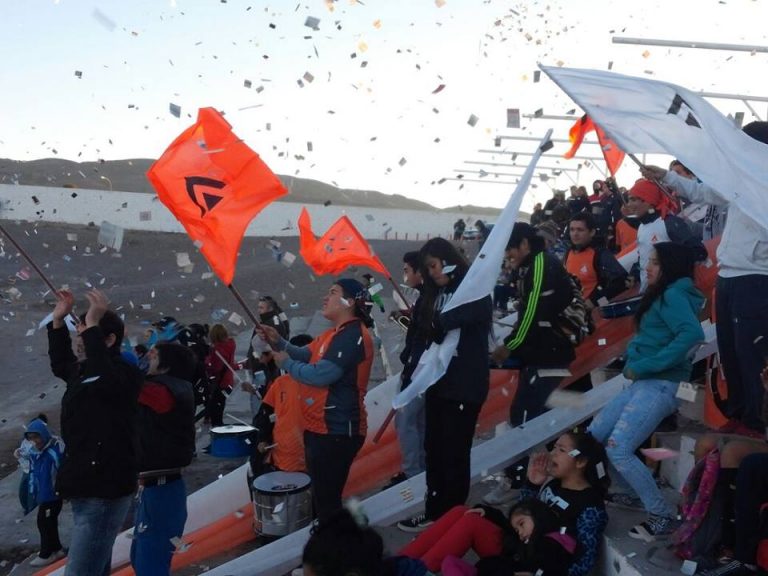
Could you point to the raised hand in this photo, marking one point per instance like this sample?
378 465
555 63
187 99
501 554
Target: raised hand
652 172
98 305
537 468
65 302
268 333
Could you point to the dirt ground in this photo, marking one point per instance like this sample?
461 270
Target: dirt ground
144 283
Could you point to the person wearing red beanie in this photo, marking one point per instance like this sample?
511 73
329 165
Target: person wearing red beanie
653 207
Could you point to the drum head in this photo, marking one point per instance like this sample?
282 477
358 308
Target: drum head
233 429
281 482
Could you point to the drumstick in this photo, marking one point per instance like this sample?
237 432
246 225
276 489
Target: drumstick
270 446
234 372
236 419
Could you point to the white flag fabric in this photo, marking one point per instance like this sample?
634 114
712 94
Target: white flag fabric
477 284
649 116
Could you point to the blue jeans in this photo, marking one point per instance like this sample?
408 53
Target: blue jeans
160 516
409 423
742 316
97 522
623 425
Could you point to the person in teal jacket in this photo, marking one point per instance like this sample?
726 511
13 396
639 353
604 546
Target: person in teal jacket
658 359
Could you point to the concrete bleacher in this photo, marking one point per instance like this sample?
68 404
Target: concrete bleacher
621 554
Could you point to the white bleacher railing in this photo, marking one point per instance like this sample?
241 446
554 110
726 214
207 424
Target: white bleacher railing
407 498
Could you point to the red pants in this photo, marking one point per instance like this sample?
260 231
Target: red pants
454 534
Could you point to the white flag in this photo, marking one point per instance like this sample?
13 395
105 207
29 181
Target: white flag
648 116
477 284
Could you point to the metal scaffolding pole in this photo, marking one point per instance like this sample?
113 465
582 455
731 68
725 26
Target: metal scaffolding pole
481 181
554 140
506 164
484 173
556 154
689 44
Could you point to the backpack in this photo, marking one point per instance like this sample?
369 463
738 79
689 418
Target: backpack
698 537
576 321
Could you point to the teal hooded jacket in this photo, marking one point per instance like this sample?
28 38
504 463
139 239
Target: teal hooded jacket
668 332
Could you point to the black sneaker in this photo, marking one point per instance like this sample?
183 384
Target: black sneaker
418 523
656 527
624 501
395 480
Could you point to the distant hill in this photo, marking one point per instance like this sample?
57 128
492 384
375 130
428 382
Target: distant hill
129 175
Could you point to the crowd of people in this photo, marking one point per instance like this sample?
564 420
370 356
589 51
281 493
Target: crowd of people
128 414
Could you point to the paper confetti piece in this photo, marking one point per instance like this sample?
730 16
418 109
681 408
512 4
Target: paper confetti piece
182 259
312 22
472 120
438 89
288 259
175 109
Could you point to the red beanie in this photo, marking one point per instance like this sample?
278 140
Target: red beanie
651 193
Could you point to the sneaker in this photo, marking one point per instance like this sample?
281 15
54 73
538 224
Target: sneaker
653 528
40 561
624 501
501 494
418 523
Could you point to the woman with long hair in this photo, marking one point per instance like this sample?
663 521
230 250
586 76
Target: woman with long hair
658 359
453 403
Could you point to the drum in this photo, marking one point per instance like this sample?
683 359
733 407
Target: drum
282 503
233 441
620 308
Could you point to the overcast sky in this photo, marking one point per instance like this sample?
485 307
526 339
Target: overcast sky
367 108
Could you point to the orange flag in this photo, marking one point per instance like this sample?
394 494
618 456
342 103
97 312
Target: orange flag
611 152
215 185
340 247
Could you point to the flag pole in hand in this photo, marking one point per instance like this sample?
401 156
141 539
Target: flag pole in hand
243 303
665 190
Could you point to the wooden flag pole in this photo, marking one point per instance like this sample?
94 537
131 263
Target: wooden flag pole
243 303
34 266
383 426
28 259
667 192
400 293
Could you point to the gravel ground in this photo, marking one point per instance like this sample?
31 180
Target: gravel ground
143 282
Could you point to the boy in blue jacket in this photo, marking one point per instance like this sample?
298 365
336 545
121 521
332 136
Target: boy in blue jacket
44 460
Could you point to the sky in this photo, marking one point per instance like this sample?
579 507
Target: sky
367 113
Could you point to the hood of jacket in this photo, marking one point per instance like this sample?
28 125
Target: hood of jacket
37 426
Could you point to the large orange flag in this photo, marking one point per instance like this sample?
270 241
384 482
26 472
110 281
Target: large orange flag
215 185
612 153
340 247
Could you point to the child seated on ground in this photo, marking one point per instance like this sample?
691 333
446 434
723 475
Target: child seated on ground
44 460
570 480
533 542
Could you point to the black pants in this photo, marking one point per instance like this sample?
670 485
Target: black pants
742 317
449 429
751 494
48 526
329 458
216 403
530 402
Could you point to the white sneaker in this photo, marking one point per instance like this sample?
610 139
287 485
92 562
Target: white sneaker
40 561
501 494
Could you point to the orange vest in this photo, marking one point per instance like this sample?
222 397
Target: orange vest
582 265
324 417
626 235
288 433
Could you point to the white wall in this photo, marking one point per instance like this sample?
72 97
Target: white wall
137 211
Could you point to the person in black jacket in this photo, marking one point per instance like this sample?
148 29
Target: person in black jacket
537 344
98 412
409 420
453 403
166 433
